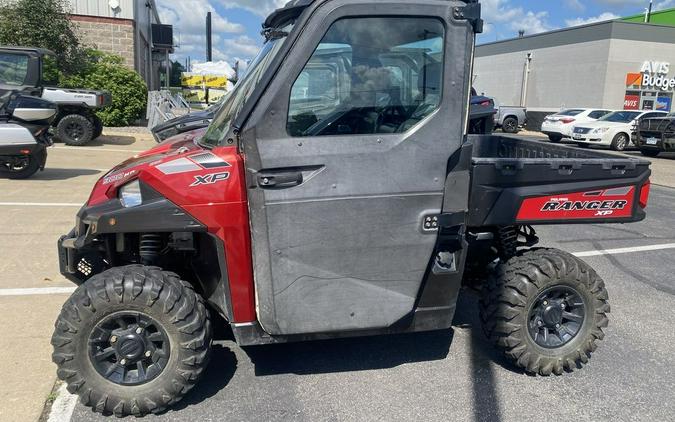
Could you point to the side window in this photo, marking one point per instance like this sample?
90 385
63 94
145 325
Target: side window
597 114
13 69
369 76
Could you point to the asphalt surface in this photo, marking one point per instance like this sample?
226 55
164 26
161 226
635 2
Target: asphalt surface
455 374
447 375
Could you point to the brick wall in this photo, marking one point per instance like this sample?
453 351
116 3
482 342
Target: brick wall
110 35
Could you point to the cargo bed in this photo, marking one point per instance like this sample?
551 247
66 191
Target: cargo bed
517 181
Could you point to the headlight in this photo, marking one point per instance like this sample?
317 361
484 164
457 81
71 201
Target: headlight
130 194
601 130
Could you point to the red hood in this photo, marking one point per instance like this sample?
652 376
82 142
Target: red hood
174 147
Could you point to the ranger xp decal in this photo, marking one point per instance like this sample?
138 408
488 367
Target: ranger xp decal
210 179
611 203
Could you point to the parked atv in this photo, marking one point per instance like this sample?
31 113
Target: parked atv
76 122
24 122
319 207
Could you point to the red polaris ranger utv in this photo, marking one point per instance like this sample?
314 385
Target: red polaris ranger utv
335 194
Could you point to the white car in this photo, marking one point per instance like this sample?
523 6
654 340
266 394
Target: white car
559 125
613 130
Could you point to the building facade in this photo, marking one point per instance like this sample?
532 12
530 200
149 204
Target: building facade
125 28
615 64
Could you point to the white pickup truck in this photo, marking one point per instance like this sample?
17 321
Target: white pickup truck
510 118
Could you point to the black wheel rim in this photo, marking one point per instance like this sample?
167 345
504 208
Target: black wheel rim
74 131
556 317
129 348
511 125
19 165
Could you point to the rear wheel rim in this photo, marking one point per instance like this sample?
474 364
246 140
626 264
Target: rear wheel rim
20 165
510 125
74 131
129 348
556 317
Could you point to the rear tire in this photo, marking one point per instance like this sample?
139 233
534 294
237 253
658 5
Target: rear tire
650 152
147 366
555 138
520 303
30 168
620 142
98 126
510 125
75 130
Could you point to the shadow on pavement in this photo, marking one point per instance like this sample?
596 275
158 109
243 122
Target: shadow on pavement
63 174
112 140
217 375
353 354
486 405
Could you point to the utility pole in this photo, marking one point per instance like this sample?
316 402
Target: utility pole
209 39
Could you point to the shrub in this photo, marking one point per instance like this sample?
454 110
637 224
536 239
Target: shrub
105 72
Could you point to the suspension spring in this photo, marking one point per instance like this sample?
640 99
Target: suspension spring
150 248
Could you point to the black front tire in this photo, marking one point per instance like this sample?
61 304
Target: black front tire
159 296
620 142
513 293
510 125
650 152
75 130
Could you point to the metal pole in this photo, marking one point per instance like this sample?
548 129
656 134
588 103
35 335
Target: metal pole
526 79
209 40
168 70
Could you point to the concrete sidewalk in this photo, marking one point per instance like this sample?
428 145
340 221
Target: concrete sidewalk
28 259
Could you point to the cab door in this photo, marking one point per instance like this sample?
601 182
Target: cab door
339 192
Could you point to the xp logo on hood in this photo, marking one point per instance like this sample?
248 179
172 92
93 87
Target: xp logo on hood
210 179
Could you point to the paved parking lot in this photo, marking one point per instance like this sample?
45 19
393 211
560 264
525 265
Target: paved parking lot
434 376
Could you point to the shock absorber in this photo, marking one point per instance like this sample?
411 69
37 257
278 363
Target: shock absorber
150 246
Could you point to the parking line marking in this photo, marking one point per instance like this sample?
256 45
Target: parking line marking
37 291
625 250
63 407
39 204
98 149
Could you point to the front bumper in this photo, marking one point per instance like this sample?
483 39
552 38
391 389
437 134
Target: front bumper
589 138
90 247
67 258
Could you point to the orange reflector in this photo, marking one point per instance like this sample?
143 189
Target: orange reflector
25 151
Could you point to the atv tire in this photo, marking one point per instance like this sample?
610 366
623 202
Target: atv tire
30 168
75 130
98 126
162 325
515 317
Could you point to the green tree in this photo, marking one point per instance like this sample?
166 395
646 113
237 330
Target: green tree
177 70
105 72
42 24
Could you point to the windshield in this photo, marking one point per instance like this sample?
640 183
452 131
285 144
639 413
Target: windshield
572 112
621 116
242 91
13 69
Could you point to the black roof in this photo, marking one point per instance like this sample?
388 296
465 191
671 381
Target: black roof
292 10
39 51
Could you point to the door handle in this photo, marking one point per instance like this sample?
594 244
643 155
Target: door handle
279 180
